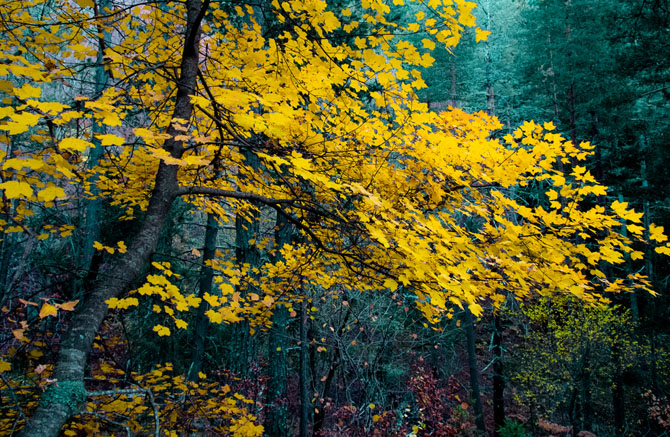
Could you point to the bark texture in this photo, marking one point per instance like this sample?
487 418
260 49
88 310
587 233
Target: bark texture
205 287
498 378
277 421
474 371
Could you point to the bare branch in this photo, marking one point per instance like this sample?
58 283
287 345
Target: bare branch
216 192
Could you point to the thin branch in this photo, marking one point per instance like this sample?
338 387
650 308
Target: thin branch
216 192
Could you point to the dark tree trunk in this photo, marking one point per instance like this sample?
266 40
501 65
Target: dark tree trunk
498 378
305 404
277 420
247 229
205 286
474 371
573 114
62 400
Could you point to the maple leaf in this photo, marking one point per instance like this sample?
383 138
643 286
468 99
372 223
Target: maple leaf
68 306
27 91
20 163
5 366
180 324
76 144
110 140
162 331
482 35
16 189
656 233
51 193
48 310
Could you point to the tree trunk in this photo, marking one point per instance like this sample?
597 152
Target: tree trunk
573 114
498 379
64 398
474 371
93 207
247 229
277 420
205 286
305 404
490 91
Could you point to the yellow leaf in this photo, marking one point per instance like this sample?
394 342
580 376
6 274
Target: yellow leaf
467 19
5 366
390 284
162 331
376 418
122 247
475 309
28 91
211 300
621 209
85 3
656 233
428 44
68 306
636 255
180 324
372 406
48 310
111 140
75 144
16 189
201 375
49 194
18 164
214 316
481 35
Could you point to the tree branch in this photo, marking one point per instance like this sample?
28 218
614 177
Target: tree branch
216 192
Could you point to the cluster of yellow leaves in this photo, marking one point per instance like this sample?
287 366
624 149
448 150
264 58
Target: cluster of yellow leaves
167 297
205 404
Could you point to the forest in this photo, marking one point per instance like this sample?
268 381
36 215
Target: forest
334 218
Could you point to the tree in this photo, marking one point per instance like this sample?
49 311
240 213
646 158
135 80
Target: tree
382 191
